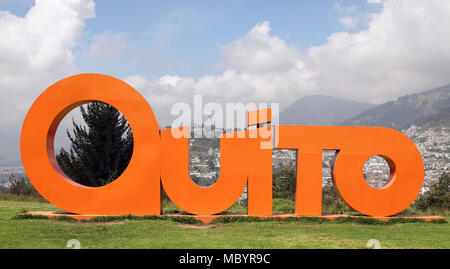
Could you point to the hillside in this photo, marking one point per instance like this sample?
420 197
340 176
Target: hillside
439 119
321 110
430 108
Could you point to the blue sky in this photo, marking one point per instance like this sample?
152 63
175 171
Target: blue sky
187 34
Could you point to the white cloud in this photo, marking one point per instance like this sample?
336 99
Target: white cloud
35 51
404 49
340 8
349 22
258 68
258 51
108 45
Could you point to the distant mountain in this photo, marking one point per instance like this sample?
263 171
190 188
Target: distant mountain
431 107
439 119
321 110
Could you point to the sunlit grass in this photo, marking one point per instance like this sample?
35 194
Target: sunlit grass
162 233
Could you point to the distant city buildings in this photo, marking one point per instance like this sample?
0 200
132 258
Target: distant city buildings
6 171
433 144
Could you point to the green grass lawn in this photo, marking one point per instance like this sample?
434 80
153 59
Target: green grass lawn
47 233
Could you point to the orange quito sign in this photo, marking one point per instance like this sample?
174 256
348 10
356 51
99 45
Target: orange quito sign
161 159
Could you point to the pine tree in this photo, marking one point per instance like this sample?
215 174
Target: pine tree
438 195
101 149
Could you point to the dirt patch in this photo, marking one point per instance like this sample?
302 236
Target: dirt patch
79 223
196 226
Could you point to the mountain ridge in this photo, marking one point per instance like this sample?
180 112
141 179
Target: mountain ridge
321 110
427 108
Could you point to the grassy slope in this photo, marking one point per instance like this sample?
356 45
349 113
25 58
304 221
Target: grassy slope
34 233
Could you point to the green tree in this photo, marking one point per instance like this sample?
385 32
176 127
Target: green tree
284 181
284 186
438 195
332 201
20 185
100 150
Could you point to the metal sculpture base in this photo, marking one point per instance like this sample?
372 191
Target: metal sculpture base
210 218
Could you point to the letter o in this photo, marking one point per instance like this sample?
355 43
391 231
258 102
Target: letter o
136 191
405 162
